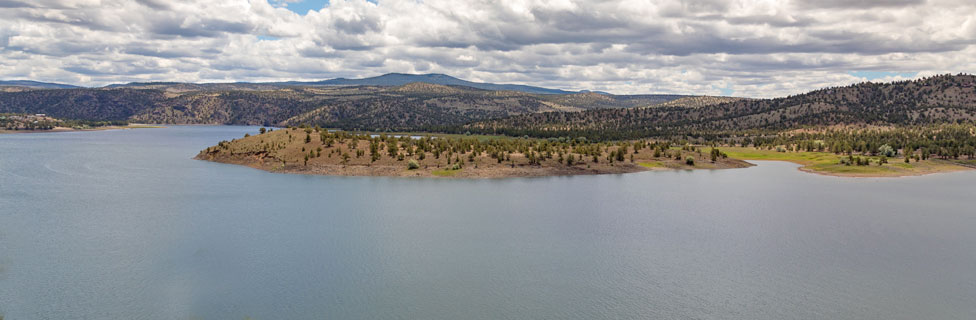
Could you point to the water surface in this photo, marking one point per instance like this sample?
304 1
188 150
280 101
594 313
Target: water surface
124 225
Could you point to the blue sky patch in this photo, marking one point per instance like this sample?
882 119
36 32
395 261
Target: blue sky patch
871 75
727 91
302 7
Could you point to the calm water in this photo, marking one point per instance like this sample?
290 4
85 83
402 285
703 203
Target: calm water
124 225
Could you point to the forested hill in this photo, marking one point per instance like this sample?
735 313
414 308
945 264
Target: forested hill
938 99
448 108
407 107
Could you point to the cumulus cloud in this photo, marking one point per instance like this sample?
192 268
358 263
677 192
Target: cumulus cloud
753 48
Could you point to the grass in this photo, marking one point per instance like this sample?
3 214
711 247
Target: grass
803 157
653 164
829 163
445 173
970 163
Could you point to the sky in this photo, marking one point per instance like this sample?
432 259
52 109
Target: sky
760 48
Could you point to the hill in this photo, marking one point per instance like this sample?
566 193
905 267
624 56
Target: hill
696 101
451 108
34 84
399 79
413 106
386 80
180 87
933 100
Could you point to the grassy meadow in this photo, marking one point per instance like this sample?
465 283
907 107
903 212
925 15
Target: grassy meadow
830 164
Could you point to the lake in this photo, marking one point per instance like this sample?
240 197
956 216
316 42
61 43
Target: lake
125 225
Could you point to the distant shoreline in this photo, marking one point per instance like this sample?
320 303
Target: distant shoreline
67 129
828 164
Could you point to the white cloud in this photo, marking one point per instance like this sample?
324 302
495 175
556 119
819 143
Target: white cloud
756 48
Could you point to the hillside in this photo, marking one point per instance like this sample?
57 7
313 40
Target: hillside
386 80
84 104
459 109
34 84
413 106
938 99
399 79
696 101
180 87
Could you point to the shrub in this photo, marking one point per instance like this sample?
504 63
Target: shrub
887 151
413 165
690 161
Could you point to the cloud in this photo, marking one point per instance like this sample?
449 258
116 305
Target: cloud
858 4
751 48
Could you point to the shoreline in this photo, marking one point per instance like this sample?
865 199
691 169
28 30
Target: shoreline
465 173
529 172
67 129
828 164
954 168
265 162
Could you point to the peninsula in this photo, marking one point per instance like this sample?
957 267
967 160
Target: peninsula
319 151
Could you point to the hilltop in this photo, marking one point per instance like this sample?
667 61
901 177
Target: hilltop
29 84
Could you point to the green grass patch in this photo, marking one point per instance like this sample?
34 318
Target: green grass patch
445 173
965 162
803 157
902 165
653 164
854 170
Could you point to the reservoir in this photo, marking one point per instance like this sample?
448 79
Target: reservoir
125 225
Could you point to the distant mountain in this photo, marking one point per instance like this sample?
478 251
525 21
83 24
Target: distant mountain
142 84
188 87
35 84
399 79
386 80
